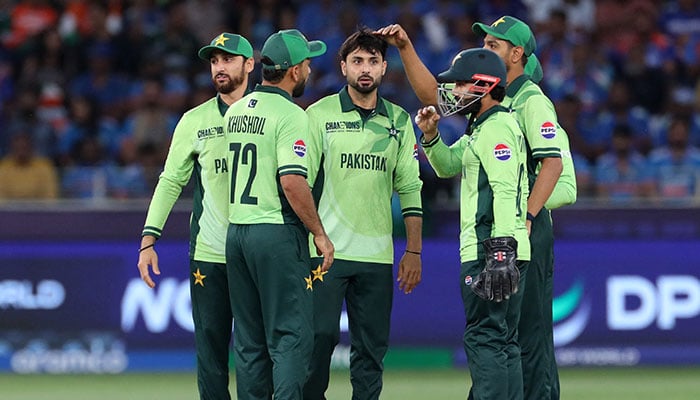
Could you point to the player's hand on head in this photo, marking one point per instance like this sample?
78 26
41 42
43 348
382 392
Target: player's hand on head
427 121
148 257
394 34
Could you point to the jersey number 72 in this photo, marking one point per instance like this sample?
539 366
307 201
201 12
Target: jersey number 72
246 156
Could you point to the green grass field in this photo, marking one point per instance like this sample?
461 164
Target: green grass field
577 384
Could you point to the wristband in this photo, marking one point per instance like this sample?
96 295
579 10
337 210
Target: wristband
146 247
530 217
413 252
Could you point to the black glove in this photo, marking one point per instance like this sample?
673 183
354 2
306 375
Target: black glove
500 276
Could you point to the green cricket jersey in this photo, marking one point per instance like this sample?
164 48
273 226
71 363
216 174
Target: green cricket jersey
198 146
494 187
266 137
365 158
545 137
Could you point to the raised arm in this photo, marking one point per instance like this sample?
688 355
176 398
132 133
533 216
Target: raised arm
421 79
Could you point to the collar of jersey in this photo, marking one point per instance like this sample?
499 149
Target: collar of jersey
517 83
347 105
486 114
223 107
273 89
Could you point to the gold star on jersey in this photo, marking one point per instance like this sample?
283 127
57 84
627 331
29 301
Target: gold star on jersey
318 274
309 283
220 40
199 278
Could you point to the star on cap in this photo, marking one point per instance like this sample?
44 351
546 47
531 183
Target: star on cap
220 40
498 21
318 274
199 278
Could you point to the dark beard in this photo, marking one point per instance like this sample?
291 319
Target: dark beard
471 109
365 89
233 83
298 90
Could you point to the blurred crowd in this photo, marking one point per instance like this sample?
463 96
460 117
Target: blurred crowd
90 91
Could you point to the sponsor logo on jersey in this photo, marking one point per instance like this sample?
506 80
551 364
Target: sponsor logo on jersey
299 148
336 126
415 151
468 280
548 130
502 152
207 133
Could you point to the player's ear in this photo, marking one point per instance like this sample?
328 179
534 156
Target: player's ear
295 72
516 54
343 67
249 65
384 64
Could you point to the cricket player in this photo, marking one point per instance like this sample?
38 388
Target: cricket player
369 151
198 147
270 210
494 246
550 173
552 184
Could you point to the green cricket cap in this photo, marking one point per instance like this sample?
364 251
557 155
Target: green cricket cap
534 69
230 43
287 48
511 29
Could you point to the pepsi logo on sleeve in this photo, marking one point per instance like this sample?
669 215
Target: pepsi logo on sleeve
300 148
502 152
548 130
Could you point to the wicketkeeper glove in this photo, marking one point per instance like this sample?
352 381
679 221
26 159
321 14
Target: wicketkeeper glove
500 277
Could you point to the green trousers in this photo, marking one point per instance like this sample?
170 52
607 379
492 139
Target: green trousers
491 339
367 289
540 376
211 312
272 304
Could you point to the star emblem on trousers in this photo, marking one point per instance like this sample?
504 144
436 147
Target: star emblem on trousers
318 274
199 278
309 283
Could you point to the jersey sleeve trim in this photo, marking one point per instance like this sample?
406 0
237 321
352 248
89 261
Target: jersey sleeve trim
546 152
431 143
152 231
412 212
292 170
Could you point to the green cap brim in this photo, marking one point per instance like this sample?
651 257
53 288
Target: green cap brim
481 30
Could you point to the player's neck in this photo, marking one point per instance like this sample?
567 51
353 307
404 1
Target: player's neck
513 74
230 98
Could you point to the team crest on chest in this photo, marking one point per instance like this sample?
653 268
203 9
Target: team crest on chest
393 132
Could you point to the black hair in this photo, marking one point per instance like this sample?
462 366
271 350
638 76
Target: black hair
498 93
363 39
272 75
